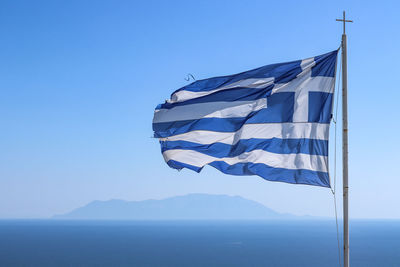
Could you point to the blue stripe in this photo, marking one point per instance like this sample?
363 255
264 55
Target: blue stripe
165 129
298 176
281 71
325 65
237 94
274 145
319 107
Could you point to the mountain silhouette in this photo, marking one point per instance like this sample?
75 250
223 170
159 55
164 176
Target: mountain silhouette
187 207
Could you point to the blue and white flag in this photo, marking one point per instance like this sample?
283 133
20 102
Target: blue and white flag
272 121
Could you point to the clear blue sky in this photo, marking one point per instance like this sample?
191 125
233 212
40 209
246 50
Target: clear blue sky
79 81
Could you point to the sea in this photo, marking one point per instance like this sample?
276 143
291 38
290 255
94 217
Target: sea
195 243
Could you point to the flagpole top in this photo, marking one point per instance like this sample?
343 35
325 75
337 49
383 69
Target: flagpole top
344 21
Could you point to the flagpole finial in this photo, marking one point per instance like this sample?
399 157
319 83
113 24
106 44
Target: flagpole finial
344 20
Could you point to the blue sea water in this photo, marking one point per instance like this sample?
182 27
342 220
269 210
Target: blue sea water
200 243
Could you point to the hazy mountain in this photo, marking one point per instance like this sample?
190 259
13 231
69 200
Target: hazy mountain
188 207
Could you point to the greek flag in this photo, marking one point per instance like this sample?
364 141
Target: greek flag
272 121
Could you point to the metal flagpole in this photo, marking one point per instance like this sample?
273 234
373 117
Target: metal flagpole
345 146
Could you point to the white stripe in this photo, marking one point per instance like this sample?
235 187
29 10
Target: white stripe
185 95
307 64
314 84
260 130
285 161
209 110
249 83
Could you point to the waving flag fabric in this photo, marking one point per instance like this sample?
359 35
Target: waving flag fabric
272 121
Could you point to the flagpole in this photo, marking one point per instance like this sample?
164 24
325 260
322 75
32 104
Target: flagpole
345 146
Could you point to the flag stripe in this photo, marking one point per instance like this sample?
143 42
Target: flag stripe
315 84
280 72
262 116
275 145
262 131
298 176
275 160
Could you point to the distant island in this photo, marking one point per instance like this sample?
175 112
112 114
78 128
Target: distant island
187 207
